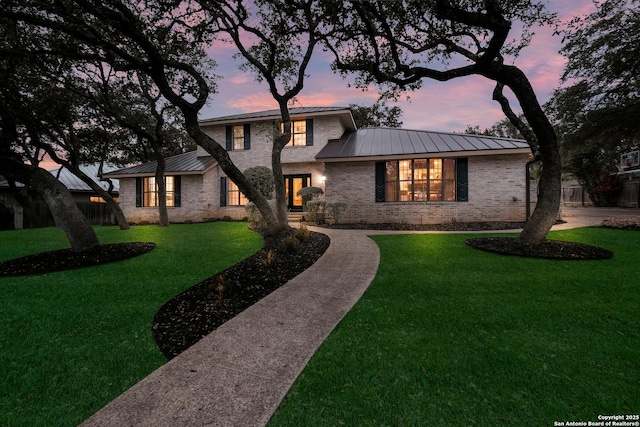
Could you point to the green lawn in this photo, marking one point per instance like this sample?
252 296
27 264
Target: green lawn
451 336
72 341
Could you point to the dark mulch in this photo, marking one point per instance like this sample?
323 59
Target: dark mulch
447 226
193 314
550 249
66 259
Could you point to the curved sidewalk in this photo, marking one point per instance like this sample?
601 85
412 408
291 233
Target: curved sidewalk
238 374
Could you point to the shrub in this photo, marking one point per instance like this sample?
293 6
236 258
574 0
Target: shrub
336 209
268 258
302 233
291 244
309 193
317 211
261 178
256 221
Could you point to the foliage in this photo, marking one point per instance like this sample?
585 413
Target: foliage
396 45
261 178
164 43
503 129
302 233
317 211
291 244
376 115
275 42
75 340
447 335
598 115
310 192
335 210
255 217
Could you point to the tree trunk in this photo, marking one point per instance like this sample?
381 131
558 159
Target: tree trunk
545 213
163 215
229 168
106 196
276 165
65 211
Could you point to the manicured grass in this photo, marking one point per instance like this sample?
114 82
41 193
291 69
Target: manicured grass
72 341
449 335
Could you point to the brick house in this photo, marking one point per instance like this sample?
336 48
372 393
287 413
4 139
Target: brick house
383 174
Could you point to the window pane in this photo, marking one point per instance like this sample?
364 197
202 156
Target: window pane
435 189
420 169
420 190
392 171
449 169
435 168
391 193
450 190
405 170
238 137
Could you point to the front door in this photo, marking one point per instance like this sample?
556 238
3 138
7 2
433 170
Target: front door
293 184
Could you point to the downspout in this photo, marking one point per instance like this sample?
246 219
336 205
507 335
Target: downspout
528 186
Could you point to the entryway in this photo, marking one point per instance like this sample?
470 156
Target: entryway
293 184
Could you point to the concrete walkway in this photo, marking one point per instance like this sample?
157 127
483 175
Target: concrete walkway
238 374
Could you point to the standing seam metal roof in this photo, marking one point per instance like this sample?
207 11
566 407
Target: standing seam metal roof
374 142
273 113
182 163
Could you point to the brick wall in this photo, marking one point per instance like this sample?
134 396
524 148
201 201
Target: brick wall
496 193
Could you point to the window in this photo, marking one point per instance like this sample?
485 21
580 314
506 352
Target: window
234 195
147 191
238 137
301 133
420 180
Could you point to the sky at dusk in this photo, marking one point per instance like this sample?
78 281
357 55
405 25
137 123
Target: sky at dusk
442 106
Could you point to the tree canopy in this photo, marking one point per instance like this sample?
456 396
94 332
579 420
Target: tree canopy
598 114
398 44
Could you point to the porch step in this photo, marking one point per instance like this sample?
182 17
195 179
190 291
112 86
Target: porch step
296 217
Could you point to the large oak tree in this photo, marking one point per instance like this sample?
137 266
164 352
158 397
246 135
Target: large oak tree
398 44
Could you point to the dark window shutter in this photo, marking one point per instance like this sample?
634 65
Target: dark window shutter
229 138
223 191
462 180
381 172
309 131
247 137
138 192
177 191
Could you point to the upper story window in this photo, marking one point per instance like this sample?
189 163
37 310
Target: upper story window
238 137
301 133
420 180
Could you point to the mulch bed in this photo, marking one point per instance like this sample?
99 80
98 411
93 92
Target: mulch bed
199 310
550 249
66 259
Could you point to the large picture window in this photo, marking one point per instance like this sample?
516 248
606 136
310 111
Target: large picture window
420 180
147 191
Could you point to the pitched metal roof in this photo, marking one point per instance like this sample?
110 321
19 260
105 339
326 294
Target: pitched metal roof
74 183
395 142
275 114
181 164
